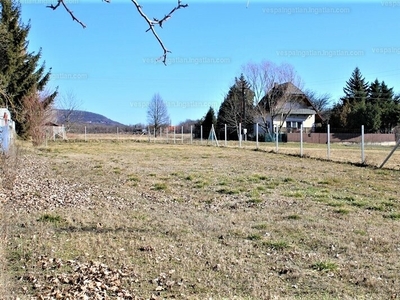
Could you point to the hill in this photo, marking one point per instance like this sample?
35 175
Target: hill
64 116
79 120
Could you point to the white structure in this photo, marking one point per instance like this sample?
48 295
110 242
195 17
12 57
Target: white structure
54 131
5 118
7 129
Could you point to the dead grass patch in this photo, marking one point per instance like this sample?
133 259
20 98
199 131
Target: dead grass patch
223 223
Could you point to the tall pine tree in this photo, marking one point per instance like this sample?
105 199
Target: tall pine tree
373 106
356 89
20 72
237 108
349 111
375 93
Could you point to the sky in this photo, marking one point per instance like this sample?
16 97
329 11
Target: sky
111 66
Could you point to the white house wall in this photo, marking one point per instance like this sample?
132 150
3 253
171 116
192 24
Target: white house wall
308 121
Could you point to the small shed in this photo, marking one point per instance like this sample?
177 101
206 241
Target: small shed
54 131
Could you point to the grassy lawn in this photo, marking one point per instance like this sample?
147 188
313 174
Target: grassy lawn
201 222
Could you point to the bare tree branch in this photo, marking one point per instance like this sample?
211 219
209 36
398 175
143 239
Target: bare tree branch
150 22
160 22
61 2
321 102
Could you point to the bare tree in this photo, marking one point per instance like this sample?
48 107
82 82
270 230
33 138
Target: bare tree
36 114
150 22
157 113
276 91
321 102
187 124
67 109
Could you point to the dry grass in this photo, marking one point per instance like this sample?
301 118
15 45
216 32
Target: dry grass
9 166
339 152
4 285
226 223
8 171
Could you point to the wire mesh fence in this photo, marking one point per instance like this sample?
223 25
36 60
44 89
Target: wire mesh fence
358 151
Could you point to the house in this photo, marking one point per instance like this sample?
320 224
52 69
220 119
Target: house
286 108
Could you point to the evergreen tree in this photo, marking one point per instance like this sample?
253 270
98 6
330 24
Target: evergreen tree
3 44
20 73
386 93
373 106
390 116
348 113
339 116
367 114
356 89
209 120
237 108
374 92
390 110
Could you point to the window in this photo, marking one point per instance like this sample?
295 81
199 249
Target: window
293 124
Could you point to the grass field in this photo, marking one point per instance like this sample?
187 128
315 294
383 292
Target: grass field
170 221
374 154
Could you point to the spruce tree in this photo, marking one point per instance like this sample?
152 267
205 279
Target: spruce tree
356 89
366 114
390 109
348 113
386 93
237 108
375 94
20 72
373 106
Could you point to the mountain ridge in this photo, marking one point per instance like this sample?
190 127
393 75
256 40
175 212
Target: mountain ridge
63 116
